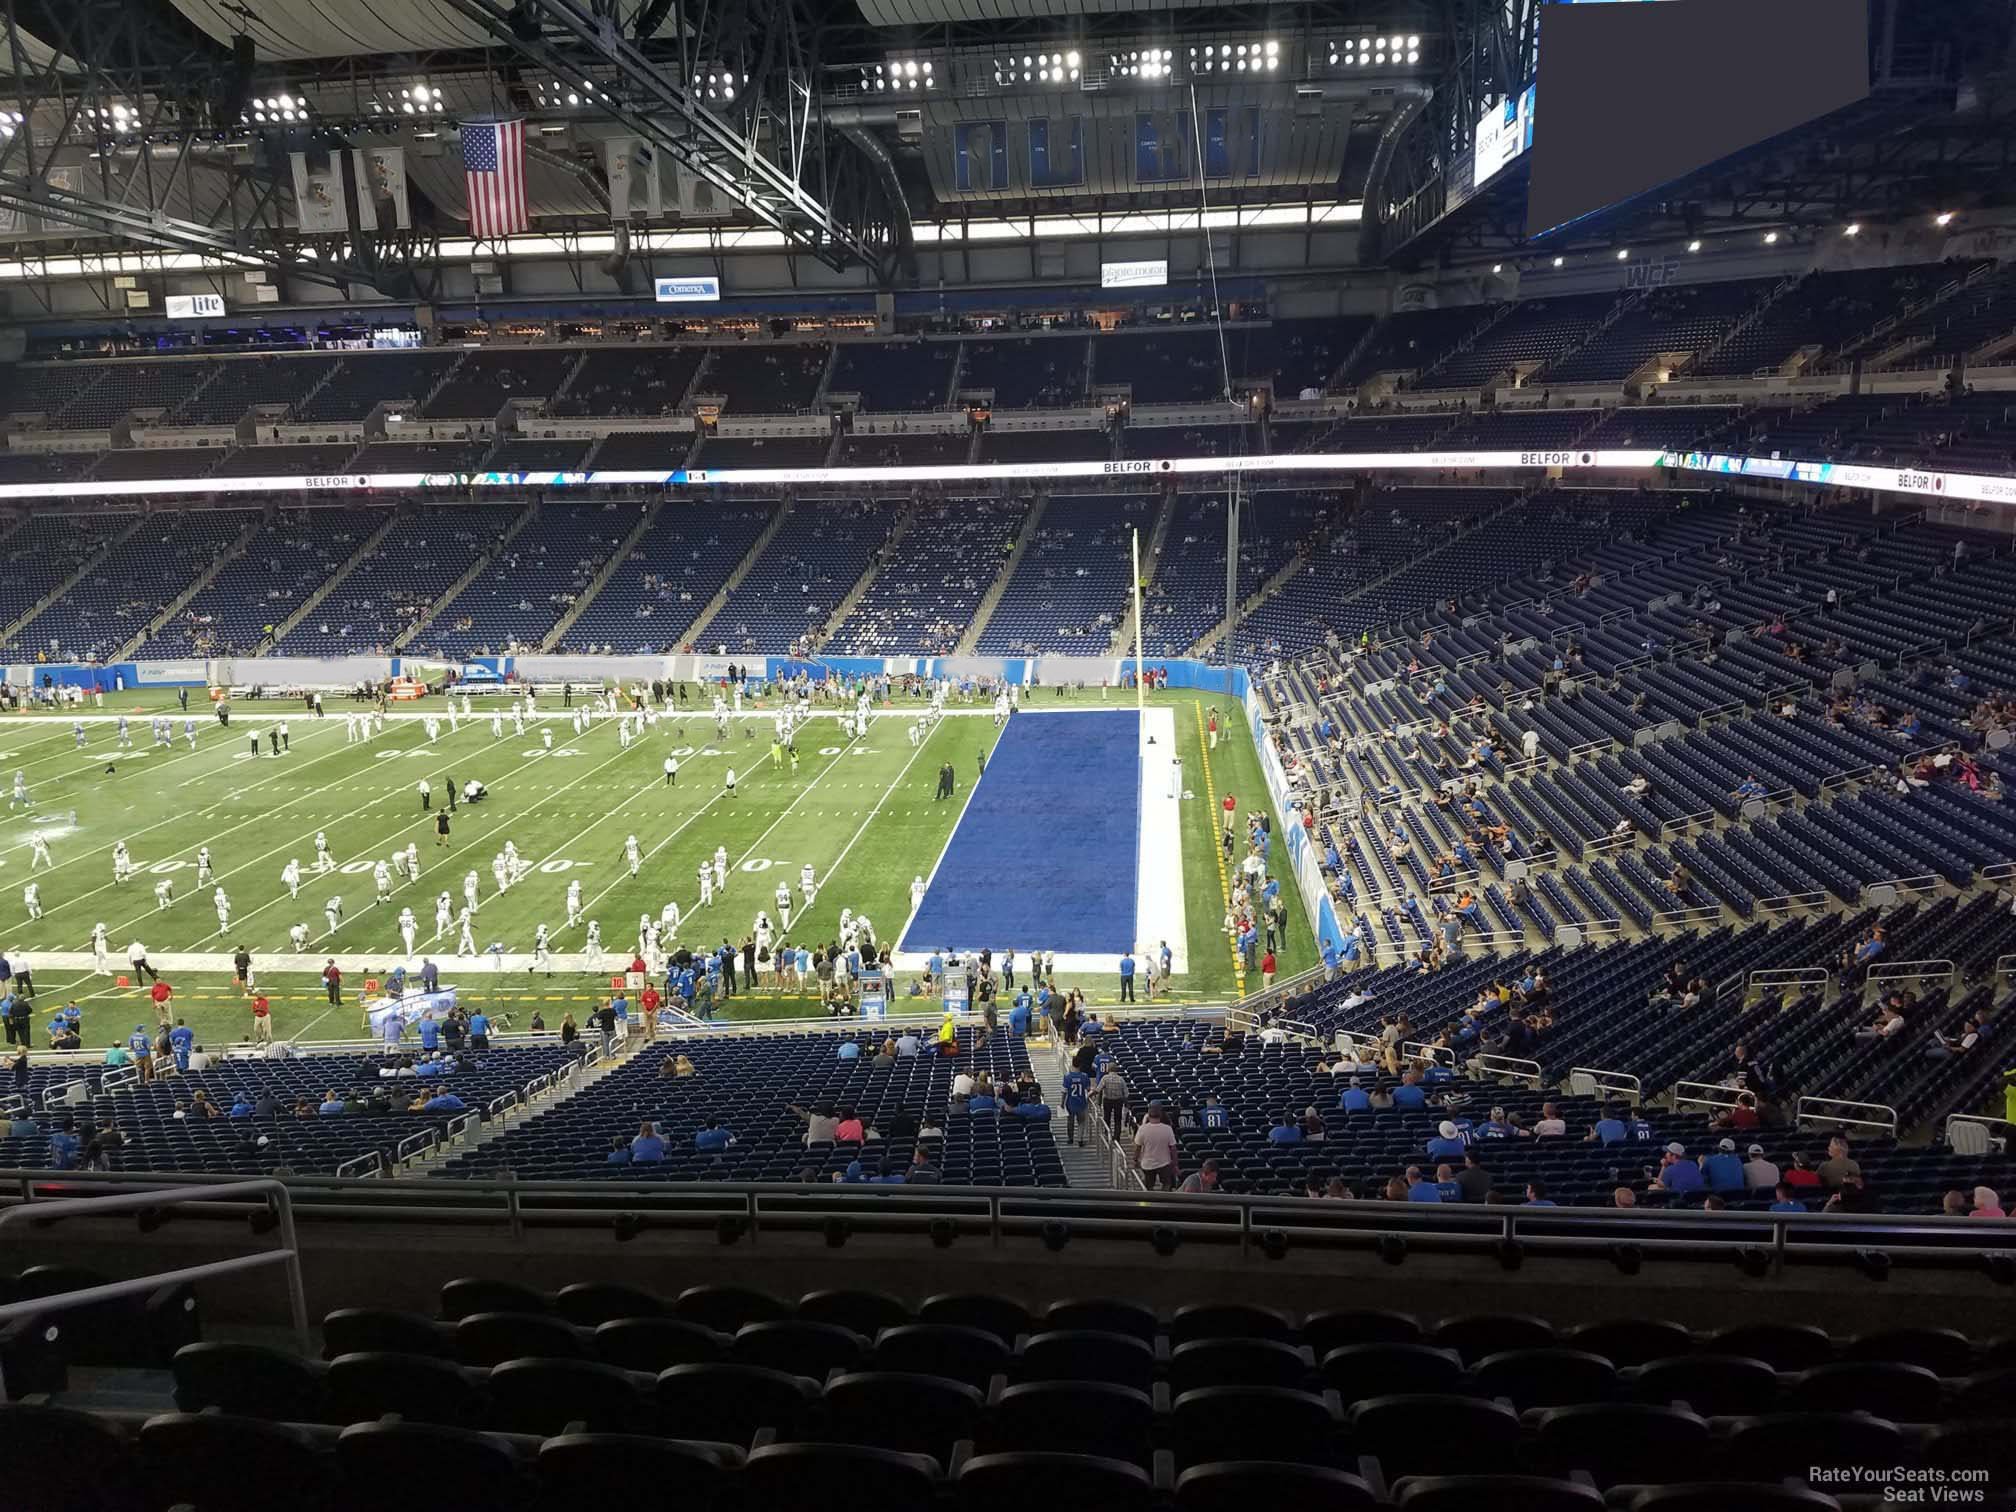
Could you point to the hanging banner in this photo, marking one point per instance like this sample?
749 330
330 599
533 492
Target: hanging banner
318 194
382 199
635 189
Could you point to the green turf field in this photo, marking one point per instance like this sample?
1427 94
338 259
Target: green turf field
861 812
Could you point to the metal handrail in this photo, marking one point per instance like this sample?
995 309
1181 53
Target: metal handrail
1603 1083
999 1212
42 1213
1788 976
1704 1094
1809 1107
1514 1066
1936 969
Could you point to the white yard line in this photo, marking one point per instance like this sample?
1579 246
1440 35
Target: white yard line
719 794
1158 875
416 819
177 818
140 867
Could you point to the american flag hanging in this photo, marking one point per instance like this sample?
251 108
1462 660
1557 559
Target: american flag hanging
493 157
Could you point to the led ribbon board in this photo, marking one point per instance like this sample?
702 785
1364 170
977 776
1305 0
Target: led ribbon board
1970 486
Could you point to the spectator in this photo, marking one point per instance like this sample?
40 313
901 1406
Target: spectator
1420 1188
1473 1182
1536 1195
1787 1199
1677 1173
820 1122
648 1148
1722 1170
1155 1150
1285 1131
712 1139
1839 1165
619 1152
1112 1091
1759 1174
1203 1179
1447 1143
1987 1204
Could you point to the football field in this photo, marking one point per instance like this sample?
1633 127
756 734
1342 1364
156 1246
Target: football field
862 812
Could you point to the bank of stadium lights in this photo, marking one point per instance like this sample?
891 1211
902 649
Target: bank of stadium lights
1374 52
114 118
275 110
897 75
719 84
551 94
10 122
1034 68
1235 57
421 99
1142 63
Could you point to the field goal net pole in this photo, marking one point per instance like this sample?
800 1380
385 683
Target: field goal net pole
1140 639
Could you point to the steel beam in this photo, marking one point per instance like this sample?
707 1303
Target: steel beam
709 146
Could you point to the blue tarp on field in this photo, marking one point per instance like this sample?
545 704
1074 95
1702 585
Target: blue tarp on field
1045 855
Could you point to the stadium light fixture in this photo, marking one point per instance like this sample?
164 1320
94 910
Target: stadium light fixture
1770 238
1497 267
1943 218
1693 246
1559 260
1853 228
1622 253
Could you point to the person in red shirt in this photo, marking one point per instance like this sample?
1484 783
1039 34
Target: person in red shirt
1267 969
648 1001
1802 1173
1231 808
262 1021
332 982
160 993
1212 727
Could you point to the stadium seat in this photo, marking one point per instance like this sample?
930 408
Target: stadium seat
1086 1354
482 1468
490 1338
248 1380
866 1313
351 1330
371 1384
629 1469
799 1348
1422 1434
1012 1482
913 1414
60 1460
735 1402
1512 1493
846 1477
233 1464
1241 1485
553 1396
588 1304
953 1351
656 1344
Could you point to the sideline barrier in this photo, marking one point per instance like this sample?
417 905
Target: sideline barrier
1935 970
1787 976
1692 1094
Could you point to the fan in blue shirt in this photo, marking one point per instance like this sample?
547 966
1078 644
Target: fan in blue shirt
848 1050
63 1150
1035 1112
1447 1145
1409 1095
647 1147
981 1102
444 1101
1355 1100
713 1138
430 1034
1677 1173
1214 1115
1724 1169
1420 1189
1285 1131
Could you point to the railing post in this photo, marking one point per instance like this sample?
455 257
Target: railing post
512 1210
297 1293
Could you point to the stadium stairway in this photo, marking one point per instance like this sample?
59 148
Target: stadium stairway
600 581
476 569
984 610
364 551
1151 557
734 579
9 632
859 591
202 580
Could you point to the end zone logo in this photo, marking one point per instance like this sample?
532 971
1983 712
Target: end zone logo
1557 459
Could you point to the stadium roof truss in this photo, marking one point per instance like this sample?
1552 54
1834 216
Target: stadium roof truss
110 143
123 127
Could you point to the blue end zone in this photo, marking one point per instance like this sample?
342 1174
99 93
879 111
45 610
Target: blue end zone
1044 857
